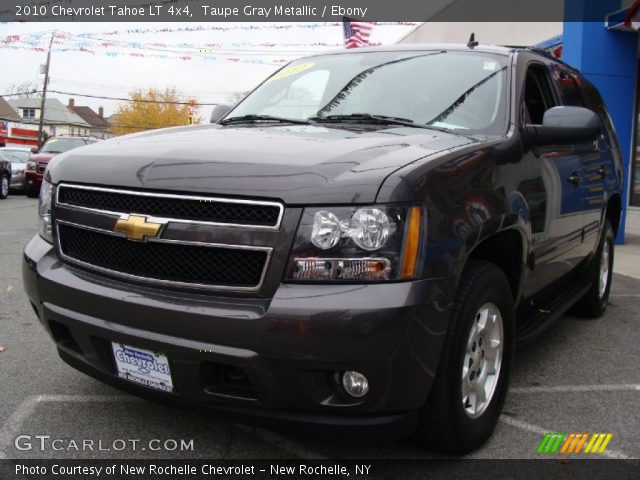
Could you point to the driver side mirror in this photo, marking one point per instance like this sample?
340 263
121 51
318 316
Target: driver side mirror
34 150
565 126
218 113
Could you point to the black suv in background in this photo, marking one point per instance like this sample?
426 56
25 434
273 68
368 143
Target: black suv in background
359 243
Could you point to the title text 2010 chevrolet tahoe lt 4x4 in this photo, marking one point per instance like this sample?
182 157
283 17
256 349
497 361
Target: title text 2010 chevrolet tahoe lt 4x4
359 243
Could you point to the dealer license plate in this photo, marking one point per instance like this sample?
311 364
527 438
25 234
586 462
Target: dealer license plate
143 367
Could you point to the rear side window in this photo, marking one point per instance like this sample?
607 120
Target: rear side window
567 87
593 101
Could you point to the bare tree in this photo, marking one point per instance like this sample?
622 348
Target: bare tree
23 90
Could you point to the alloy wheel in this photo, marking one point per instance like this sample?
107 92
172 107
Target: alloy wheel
482 360
603 278
4 186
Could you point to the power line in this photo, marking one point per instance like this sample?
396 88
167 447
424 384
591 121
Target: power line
129 99
64 83
19 93
68 83
122 99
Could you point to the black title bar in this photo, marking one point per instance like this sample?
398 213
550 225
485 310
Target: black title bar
297 10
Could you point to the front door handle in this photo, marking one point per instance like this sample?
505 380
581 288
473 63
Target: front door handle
575 179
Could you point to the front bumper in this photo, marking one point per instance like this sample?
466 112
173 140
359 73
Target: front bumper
32 180
288 348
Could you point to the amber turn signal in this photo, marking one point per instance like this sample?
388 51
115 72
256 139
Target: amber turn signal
411 243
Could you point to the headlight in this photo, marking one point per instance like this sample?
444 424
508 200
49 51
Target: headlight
44 211
358 244
31 165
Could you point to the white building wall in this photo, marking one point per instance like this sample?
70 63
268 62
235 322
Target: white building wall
64 129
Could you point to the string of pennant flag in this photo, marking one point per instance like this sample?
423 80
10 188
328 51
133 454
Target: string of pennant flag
236 51
239 26
161 56
83 41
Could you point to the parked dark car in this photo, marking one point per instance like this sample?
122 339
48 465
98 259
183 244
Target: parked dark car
5 176
18 157
358 244
40 159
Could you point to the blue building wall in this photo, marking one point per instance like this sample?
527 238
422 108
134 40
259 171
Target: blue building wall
609 60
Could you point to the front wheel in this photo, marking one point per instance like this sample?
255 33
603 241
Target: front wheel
32 192
473 375
4 186
595 301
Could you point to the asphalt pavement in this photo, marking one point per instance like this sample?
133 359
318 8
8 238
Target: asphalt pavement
580 376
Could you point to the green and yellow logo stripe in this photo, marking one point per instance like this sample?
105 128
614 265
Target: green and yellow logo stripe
573 443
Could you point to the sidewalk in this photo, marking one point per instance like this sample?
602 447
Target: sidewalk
627 257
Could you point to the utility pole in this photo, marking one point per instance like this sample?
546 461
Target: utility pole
44 91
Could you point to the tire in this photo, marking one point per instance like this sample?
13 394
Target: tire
595 301
446 425
32 193
4 186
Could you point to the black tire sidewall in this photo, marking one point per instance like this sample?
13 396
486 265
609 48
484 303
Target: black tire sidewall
607 233
476 428
484 283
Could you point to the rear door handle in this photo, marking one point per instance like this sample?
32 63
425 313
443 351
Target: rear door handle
575 179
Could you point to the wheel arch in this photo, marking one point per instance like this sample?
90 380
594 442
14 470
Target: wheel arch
505 249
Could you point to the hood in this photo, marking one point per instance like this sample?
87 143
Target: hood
42 157
298 164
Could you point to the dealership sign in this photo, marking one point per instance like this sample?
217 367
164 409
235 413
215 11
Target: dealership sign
18 133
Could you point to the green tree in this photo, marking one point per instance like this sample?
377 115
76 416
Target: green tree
150 109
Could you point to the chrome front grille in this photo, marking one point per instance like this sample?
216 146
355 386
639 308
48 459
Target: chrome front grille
184 208
199 248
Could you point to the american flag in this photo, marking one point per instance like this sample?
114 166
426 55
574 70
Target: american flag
356 34
632 19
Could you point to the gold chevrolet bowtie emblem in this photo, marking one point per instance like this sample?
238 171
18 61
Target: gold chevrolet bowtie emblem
137 228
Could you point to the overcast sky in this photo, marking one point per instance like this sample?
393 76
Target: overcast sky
209 81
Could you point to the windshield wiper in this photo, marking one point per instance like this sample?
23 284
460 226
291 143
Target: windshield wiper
368 118
266 118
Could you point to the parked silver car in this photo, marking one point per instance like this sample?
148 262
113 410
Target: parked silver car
18 158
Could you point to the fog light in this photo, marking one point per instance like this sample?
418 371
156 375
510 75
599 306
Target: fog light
355 384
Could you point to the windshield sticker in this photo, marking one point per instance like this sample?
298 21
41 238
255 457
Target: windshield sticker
490 66
293 70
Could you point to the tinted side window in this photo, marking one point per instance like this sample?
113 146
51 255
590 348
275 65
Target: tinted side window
567 85
537 94
593 101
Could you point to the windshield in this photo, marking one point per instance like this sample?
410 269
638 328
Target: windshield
453 90
19 156
60 145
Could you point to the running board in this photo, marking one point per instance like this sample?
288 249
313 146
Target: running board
540 313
